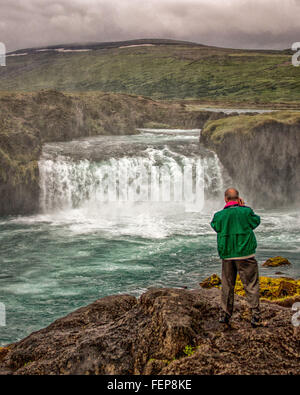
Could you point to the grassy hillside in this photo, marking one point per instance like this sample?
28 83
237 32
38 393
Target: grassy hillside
161 70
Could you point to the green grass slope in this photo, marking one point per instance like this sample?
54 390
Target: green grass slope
216 131
162 70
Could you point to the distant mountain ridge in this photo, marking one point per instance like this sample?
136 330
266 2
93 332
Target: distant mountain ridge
158 68
105 45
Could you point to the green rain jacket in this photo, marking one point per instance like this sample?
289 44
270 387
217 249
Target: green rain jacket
234 226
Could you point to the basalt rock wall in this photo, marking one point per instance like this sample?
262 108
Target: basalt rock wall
261 154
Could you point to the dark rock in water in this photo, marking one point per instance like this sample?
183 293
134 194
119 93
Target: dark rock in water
277 261
165 331
212 281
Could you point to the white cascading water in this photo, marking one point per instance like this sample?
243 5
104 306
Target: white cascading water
159 175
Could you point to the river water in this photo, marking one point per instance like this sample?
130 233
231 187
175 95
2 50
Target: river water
119 214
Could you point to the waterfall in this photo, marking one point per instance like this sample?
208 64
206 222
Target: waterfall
155 175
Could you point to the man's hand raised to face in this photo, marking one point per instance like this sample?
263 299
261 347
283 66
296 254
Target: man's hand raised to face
241 202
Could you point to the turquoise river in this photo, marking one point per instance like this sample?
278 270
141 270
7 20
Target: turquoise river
118 215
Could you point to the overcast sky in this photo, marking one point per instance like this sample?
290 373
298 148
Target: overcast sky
227 23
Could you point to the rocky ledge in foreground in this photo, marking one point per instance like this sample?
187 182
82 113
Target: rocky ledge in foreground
165 331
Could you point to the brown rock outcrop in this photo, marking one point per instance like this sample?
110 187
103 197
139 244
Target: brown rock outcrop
165 331
276 261
212 281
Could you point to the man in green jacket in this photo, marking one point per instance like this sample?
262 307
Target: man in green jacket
236 247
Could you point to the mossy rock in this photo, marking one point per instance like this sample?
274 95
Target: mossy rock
212 281
277 261
273 288
278 290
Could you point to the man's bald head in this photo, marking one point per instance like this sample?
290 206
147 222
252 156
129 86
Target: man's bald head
231 194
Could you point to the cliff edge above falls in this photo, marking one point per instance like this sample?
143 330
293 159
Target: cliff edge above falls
28 120
261 153
165 331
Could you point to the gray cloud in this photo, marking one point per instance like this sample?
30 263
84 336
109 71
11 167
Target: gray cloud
228 23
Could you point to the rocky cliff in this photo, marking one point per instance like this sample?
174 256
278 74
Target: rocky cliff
27 120
261 154
165 331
